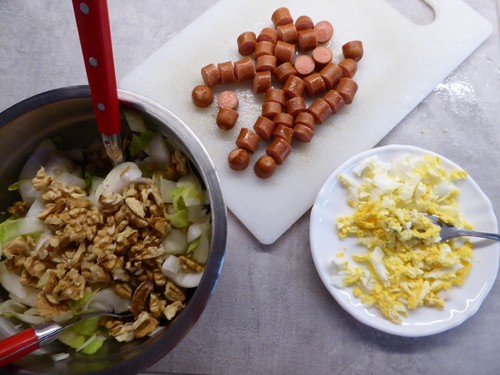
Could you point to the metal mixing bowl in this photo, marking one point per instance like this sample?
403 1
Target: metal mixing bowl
68 112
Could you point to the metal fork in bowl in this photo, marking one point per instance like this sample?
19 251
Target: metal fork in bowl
450 231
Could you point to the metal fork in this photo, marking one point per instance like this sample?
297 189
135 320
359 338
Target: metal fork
450 231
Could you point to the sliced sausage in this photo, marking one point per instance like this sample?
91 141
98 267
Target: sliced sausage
347 88
295 105
263 48
226 71
303 133
353 50
275 95
349 67
238 159
210 75
264 127
324 31
202 96
283 119
228 99
307 40
279 150
247 140
331 74
269 35
294 86
321 56
320 109
304 23
284 52
246 43
262 81
287 33
265 167
244 69
265 62
281 16
335 100
282 131
314 84
306 119
284 71
226 118
304 65
271 109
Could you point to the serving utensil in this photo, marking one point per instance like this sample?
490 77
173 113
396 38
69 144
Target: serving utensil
95 38
450 231
31 339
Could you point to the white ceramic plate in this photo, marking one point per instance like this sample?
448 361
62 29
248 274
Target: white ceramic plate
463 301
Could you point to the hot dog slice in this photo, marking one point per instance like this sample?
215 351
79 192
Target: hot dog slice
226 118
307 40
324 31
226 71
271 109
279 150
283 119
263 48
314 84
202 96
266 62
284 132
295 106
210 75
294 86
238 159
304 23
247 140
275 95
321 110
349 67
306 119
281 16
284 52
264 127
261 81
331 74
303 133
353 50
244 69
287 33
348 88
246 43
321 56
228 99
304 65
269 35
335 100
265 167
284 71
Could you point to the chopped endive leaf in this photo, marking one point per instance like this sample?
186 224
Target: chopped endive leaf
94 346
140 143
57 141
179 219
15 185
193 244
87 327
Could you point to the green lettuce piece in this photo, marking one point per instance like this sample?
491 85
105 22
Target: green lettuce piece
15 185
177 198
94 346
139 143
87 327
57 141
179 219
9 229
71 338
77 306
193 245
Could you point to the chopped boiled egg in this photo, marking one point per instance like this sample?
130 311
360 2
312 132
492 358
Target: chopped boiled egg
405 266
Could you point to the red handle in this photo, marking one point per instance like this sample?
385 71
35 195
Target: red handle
95 38
23 343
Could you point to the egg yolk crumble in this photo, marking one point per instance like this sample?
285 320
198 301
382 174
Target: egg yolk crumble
405 266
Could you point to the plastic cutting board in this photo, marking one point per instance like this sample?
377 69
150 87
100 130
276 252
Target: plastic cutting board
402 64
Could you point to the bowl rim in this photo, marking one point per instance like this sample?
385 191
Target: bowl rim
199 155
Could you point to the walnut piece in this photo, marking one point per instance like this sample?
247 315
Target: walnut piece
41 180
20 209
48 309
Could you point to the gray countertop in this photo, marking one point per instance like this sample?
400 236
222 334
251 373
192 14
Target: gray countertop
270 313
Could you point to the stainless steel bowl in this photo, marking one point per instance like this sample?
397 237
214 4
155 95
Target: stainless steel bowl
68 112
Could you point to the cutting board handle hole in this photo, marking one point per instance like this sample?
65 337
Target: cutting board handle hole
417 11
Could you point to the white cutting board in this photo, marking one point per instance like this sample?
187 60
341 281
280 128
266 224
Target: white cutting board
403 63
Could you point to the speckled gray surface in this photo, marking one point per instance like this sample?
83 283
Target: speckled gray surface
270 313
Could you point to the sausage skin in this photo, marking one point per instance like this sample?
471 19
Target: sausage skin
238 159
265 167
279 150
202 96
226 118
246 43
347 88
247 140
353 50
264 127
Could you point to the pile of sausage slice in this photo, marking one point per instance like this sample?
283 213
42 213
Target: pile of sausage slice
284 62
